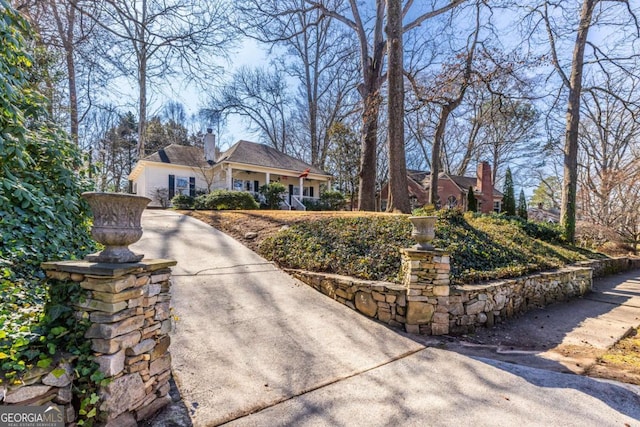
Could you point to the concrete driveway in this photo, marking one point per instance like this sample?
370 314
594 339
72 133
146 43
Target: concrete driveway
252 346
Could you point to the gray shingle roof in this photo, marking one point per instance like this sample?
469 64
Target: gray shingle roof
251 153
185 155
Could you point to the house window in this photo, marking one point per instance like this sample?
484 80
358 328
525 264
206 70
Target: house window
182 185
307 192
452 202
238 184
496 206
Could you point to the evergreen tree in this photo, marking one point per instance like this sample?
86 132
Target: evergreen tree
472 203
509 199
522 206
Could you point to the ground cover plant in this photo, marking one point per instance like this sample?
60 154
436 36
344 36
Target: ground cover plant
42 217
481 246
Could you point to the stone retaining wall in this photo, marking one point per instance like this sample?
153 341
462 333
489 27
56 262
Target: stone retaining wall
486 304
383 301
608 266
425 303
128 306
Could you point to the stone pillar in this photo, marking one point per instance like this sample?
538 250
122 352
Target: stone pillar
426 280
128 306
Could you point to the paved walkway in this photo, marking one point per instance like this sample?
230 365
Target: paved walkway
254 347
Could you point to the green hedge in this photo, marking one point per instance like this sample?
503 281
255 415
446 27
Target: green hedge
329 201
183 201
481 246
226 200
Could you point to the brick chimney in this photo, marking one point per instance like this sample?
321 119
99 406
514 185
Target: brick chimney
485 187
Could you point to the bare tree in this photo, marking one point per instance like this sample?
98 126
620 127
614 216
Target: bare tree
609 142
261 97
614 17
312 50
77 44
162 39
372 46
448 92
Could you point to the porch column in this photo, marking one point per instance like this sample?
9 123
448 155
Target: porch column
301 187
268 178
230 178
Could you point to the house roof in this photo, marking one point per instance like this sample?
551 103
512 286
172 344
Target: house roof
245 152
252 153
416 190
463 182
185 155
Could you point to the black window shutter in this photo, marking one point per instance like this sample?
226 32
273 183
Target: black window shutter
172 186
192 186
256 186
310 191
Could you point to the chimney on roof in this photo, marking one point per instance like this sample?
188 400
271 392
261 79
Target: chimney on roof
210 147
485 187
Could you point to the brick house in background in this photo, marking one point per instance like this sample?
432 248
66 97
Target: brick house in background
452 190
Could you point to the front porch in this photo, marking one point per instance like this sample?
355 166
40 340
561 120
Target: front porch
299 187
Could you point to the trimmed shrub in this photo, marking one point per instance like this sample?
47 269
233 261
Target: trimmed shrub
329 201
226 200
273 194
333 200
183 201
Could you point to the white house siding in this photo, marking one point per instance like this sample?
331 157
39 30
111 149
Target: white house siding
154 179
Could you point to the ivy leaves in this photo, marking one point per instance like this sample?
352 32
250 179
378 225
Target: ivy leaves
482 247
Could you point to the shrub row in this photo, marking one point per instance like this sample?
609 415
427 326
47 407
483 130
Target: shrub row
217 200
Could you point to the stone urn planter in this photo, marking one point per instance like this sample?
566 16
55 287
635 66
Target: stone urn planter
116 224
424 231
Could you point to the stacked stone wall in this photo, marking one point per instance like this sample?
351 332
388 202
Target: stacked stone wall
383 301
426 303
128 307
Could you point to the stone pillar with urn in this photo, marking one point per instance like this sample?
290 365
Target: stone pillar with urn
127 302
425 272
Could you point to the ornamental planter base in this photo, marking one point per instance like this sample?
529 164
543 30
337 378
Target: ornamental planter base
115 255
116 224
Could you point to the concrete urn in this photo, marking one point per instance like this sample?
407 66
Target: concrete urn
424 231
116 224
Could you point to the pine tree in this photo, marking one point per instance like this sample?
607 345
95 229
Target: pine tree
472 203
509 199
522 206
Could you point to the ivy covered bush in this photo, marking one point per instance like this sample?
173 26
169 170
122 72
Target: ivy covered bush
226 200
42 216
365 247
481 246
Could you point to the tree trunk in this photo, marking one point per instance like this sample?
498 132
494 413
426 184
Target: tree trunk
445 111
68 43
368 157
398 195
569 186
